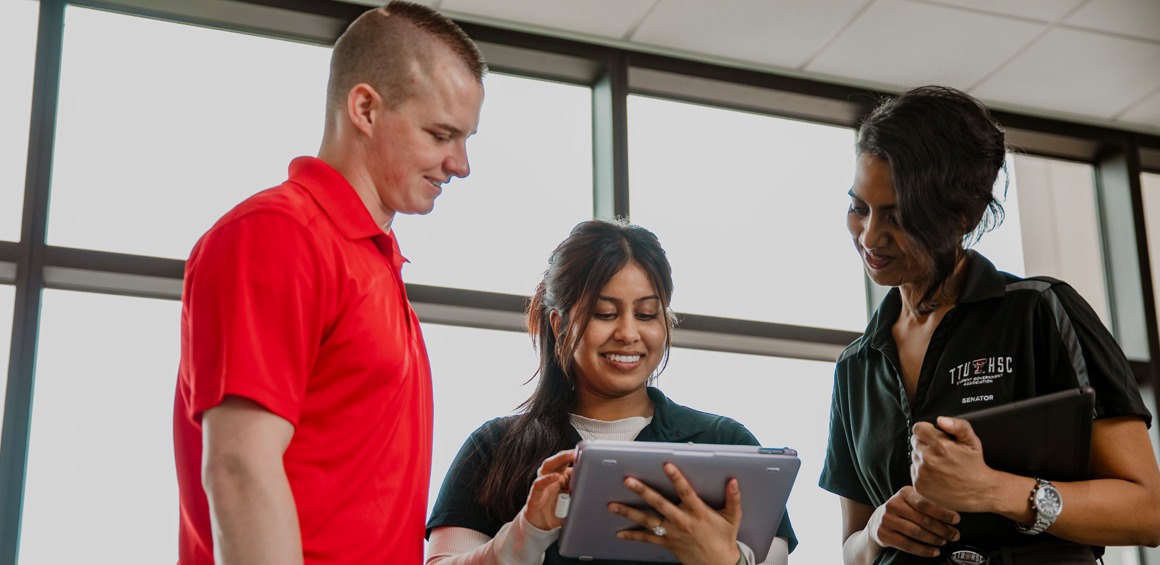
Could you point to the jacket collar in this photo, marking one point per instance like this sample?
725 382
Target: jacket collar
983 282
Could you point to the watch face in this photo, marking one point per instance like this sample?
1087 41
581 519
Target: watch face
1048 502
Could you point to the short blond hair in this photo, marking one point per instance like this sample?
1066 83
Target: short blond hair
384 47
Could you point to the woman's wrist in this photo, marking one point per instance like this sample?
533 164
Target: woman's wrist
1009 496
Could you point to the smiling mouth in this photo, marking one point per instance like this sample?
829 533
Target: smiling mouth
622 358
876 261
434 183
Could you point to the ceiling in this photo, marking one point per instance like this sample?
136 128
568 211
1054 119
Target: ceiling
1092 61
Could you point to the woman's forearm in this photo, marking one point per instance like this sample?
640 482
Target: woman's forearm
517 543
1097 512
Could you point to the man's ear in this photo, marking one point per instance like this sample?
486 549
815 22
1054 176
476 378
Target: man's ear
363 107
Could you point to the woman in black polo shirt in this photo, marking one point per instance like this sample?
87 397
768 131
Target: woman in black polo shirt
601 324
953 336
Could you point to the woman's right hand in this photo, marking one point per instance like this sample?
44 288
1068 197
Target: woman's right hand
551 480
913 524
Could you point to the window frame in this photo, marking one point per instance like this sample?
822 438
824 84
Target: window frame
613 72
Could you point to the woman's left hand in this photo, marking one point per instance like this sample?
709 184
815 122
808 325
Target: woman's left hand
950 471
694 532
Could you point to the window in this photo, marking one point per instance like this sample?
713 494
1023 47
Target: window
100 461
7 304
785 403
530 184
18 21
1051 227
750 210
154 144
478 375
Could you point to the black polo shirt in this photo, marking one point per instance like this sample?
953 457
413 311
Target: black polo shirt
671 422
1006 339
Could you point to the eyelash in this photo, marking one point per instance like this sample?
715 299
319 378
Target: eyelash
863 211
612 316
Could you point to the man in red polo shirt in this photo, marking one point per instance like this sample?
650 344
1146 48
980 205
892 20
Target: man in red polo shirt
302 423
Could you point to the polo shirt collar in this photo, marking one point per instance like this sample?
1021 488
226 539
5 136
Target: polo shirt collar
983 281
336 197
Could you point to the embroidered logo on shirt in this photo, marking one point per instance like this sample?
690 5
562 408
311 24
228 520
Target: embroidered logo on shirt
981 371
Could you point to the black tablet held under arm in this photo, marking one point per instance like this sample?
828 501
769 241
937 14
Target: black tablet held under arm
764 476
1048 436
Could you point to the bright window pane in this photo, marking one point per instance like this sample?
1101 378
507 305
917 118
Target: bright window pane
7 303
530 184
100 462
1051 218
478 375
164 127
1003 245
18 19
745 205
785 403
1150 184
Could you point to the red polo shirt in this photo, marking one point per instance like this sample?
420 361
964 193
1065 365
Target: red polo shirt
294 300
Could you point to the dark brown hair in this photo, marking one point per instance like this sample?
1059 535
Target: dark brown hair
579 268
387 46
944 152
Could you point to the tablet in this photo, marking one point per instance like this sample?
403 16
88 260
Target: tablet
1048 436
765 477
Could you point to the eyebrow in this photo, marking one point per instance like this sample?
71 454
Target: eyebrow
854 196
637 301
450 128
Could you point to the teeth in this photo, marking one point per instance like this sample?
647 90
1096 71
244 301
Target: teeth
624 358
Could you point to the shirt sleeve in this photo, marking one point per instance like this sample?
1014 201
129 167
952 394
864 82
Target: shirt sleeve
254 314
456 504
517 543
1099 359
839 474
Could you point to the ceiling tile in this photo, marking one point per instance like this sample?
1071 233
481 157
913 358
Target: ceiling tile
906 43
1079 72
1042 10
1146 113
605 18
785 33
1139 18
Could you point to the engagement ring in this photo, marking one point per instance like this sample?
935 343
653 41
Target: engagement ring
659 530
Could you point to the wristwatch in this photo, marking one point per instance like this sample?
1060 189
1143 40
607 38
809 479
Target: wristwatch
1046 503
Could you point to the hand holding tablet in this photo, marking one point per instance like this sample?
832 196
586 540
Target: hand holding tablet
670 502
693 531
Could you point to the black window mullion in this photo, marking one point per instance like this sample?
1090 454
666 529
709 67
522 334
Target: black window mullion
610 139
29 276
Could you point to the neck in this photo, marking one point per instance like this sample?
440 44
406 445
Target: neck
350 162
607 409
947 293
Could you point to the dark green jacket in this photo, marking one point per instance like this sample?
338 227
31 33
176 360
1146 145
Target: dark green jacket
671 422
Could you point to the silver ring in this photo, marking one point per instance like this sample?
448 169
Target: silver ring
659 530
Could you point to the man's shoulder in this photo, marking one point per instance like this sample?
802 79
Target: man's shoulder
288 200
271 213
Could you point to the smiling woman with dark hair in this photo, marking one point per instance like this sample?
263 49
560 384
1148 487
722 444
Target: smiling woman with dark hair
927 162
601 323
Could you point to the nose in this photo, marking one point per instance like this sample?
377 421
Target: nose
456 163
874 232
627 330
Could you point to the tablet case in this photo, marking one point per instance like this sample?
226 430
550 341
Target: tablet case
765 477
1048 436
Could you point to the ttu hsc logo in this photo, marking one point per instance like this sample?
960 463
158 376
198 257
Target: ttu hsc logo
981 371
